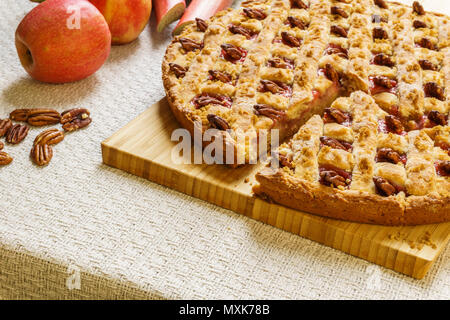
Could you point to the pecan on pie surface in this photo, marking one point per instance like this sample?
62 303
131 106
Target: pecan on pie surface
363 85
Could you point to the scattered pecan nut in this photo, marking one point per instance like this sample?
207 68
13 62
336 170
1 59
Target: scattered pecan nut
432 89
206 99
240 30
417 8
232 52
50 137
437 117
299 4
257 14
190 45
338 50
383 59
43 117
426 43
332 178
296 23
384 187
17 133
331 73
381 3
281 63
218 122
269 111
19 115
388 155
178 70
290 40
380 33
5 158
337 115
273 87
384 81
284 161
428 65
41 154
5 124
339 11
201 24
336 144
394 124
75 119
220 76
443 167
338 30
419 24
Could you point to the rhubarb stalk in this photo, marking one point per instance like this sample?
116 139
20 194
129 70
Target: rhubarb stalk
167 11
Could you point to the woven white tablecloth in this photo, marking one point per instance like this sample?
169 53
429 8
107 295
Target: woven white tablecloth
126 237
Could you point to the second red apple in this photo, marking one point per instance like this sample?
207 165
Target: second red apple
126 18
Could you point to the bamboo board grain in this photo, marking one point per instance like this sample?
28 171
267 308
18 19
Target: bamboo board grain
143 148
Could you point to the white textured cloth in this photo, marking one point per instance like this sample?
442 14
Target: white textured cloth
131 238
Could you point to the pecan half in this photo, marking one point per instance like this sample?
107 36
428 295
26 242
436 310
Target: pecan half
241 30
383 59
206 99
220 76
257 14
336 49
201 24
332 178
290 40
419 24
5 158
426 43
380 33
339 11
443 168
428 65
41 154
388 155
338 30
296 23
299 4
17 133
376 18
281 63
337 115
437 117
394 124
432 89
417 8
190 45
284 160
50 137
336 144
331 73
178 70
232 52
19 115
218 122
2 145
269 111
273 87
381 3
5 124
384 81
75 119
384 187
43 117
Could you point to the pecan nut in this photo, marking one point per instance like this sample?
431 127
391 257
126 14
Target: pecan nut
296 23
257 14
426 43
201 24
241 30
17 133
290 40
384 187
19 115
437 117
331 73
50 137
284 160
388 155
384 81
5 124
428 65
231 52
75 119
269 111
338 50
337 115
281 63
41 154
443 167
206 99
432 89
394 124
332 178
190 45
218 122
419 24
380 33
43 117
381 3
338 30
383 59
273 87
336 144
339 11
299 4
178 70
5 158
417 8
220 76
2 145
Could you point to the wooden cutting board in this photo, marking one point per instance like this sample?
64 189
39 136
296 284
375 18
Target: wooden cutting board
144 147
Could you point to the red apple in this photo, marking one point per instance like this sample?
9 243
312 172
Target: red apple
126 18
63 41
